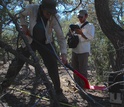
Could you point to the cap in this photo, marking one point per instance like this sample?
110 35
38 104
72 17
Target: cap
82 13
49 5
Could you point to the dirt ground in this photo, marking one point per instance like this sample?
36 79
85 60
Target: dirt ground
28 91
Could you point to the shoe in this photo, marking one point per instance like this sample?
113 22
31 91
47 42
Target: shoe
62 98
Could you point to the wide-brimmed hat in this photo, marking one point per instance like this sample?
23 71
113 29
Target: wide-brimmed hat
82 13
49 5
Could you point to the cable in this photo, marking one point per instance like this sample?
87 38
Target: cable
120 82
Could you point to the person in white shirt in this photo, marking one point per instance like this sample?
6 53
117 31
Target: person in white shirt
43 19
81 52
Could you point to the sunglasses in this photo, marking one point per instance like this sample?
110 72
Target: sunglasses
80 16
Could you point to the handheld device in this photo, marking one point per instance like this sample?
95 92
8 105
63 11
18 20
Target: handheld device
73 27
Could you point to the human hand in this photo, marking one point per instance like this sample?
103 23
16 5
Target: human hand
64 58
25 30
78 31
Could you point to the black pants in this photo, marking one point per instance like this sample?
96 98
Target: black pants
49 59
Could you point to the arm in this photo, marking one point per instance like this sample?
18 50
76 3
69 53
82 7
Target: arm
25 29
61 40
79 31
87 32
23 19
83 36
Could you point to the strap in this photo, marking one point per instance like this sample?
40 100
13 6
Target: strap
84 24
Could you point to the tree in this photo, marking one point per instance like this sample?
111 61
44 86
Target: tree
112 30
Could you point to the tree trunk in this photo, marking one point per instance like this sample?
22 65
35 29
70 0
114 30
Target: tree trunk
113 31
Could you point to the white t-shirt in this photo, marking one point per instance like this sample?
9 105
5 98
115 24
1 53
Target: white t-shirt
84 44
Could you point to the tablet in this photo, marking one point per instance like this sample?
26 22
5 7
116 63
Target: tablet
73 27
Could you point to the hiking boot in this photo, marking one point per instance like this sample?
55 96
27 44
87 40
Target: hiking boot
62 98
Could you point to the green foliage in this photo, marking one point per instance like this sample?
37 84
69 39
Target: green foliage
99 60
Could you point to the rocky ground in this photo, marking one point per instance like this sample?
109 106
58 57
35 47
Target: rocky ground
28 91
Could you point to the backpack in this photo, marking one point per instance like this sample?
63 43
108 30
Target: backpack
73 39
